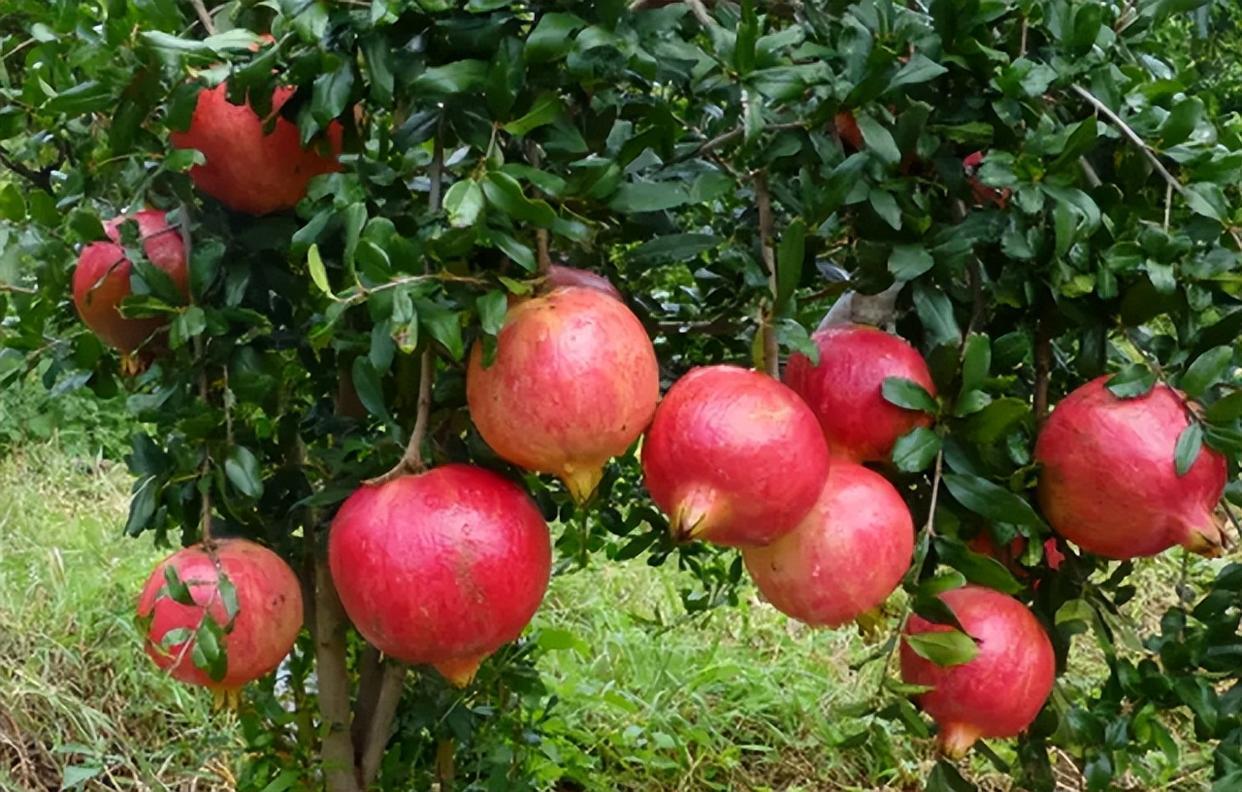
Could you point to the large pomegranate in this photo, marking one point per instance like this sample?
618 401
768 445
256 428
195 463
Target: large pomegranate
441 568
575 382
845 557
1001 690
247 170
1109 482
844 390
269 614
101 279
733 457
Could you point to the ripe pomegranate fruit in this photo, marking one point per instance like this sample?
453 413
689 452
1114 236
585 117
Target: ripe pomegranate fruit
441 568
247 170
982 193
844 390
575 382
733 457
560 275
1001 690
101 279
847 129
845 557
1109 483
269 614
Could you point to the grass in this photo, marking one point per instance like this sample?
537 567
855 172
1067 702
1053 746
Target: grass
738 698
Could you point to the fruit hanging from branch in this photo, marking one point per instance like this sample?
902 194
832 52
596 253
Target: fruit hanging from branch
256 637
574 383
733 457
247 170
1109 481
441 568
999 692
845 557
102 279
845 389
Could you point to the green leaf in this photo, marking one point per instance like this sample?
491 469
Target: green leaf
976 567
915 450
996 420
976 360
919 69
1206 370
444 326
878 140
369 387
505 193
552 38
209 652
1074 610
181 160
12 204
331 93
1087 23
175 588
142 505
492 308
86 97
936 314
460 77
681 248
885 205
1181 121
907 262
789 261
189 323
228 596
547 108
908 394
463 202
318 274
1131 382
243 472
945 648
1208 200
747 36
1226 409
944 777
991 500
1189 444
635 197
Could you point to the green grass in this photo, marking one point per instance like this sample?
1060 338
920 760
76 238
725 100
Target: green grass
738 698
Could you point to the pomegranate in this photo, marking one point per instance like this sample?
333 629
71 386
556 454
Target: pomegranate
734 457
441 568
575 382
847 129
1001 690
845 557
268 619
982 193
560 275
101 279
844 390
247 170
1109 483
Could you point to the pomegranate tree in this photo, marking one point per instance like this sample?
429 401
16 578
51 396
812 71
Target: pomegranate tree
257 635
441 568
998 692
846 555
101 279
1108 477
845 389
574 383
247 170
733 457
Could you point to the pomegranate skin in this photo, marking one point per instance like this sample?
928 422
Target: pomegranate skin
246 170
574 383
846 556
441 568
844 390
733 457
101 279
269 614
1108 481
1000 691
847 128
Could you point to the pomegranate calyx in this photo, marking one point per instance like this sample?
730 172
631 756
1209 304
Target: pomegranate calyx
956 739
582 481
460 671
1208 539
693 517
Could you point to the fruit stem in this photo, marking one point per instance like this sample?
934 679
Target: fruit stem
763 202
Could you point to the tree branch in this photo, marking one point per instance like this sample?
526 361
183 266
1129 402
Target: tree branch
763 200
392 684
370 671
203 16
700 13
725 138
329 635
41 179
1043 368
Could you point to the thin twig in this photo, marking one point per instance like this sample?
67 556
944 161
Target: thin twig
1043 368
1168 205
700 13
1089 173
365 292
725 138
15 289
763 201
203 16
1022 43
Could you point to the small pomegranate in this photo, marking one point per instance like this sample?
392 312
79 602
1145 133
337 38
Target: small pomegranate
1108 480
845 557
844 390
101 280
560 275
574 383
247 170
733 457
847 129
1001 690
268 619
441 568
982 193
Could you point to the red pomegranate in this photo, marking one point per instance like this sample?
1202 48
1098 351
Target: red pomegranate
1108 480
247 170
441 568
734 457
560 275
269 614
101 279
982 193
575 382
1000 691
844 390
845 557
847 129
